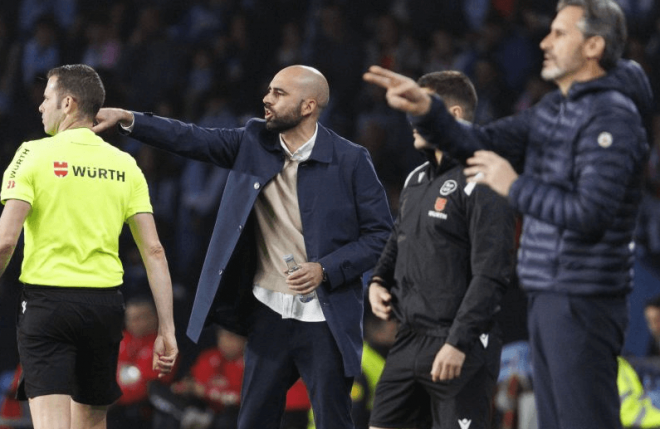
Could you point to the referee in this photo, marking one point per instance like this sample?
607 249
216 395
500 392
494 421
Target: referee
73 192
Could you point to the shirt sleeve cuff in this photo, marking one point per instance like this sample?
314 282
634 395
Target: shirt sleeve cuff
129 129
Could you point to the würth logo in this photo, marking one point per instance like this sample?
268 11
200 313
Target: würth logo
440 204
61 168
99 173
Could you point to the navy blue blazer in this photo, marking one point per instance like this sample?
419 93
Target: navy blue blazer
344 211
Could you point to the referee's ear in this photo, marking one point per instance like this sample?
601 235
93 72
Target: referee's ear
69 105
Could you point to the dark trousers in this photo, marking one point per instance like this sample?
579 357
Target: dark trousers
574 342
278 352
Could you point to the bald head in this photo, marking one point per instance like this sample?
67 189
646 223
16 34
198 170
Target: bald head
294 101
311 83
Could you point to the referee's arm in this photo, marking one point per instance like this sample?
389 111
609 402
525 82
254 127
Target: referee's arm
145 235
11 224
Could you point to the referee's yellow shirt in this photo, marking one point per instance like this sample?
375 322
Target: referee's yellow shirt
82 190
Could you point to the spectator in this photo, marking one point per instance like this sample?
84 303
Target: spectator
392 48
13 413
652 317
147 55
103 49
41 52
339 52
135 369
290 48
212 391
32 11
200 80
444 54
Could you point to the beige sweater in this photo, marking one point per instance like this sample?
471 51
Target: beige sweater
279 229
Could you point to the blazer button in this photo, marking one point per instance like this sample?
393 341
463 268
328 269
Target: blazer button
256 185
240 227
220 272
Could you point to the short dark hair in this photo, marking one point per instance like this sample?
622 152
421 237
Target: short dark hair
653 302
606 19
454 87
142 300
82 83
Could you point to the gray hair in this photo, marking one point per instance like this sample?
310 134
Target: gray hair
606 19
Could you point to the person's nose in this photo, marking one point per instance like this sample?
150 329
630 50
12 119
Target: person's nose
545 43
268 99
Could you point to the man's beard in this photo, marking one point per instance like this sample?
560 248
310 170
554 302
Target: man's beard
284 122
568 66
552 74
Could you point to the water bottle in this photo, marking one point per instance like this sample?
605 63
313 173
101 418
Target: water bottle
291 267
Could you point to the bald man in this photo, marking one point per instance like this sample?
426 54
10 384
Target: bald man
294 188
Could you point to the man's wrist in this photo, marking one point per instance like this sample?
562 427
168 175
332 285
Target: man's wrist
325 273
425 106
128 123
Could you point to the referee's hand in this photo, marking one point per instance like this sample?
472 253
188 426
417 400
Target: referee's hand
165 353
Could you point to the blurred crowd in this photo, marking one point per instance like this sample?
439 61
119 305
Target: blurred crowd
210 61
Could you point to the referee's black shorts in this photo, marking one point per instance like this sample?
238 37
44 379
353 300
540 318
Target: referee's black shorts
68 342
406 396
